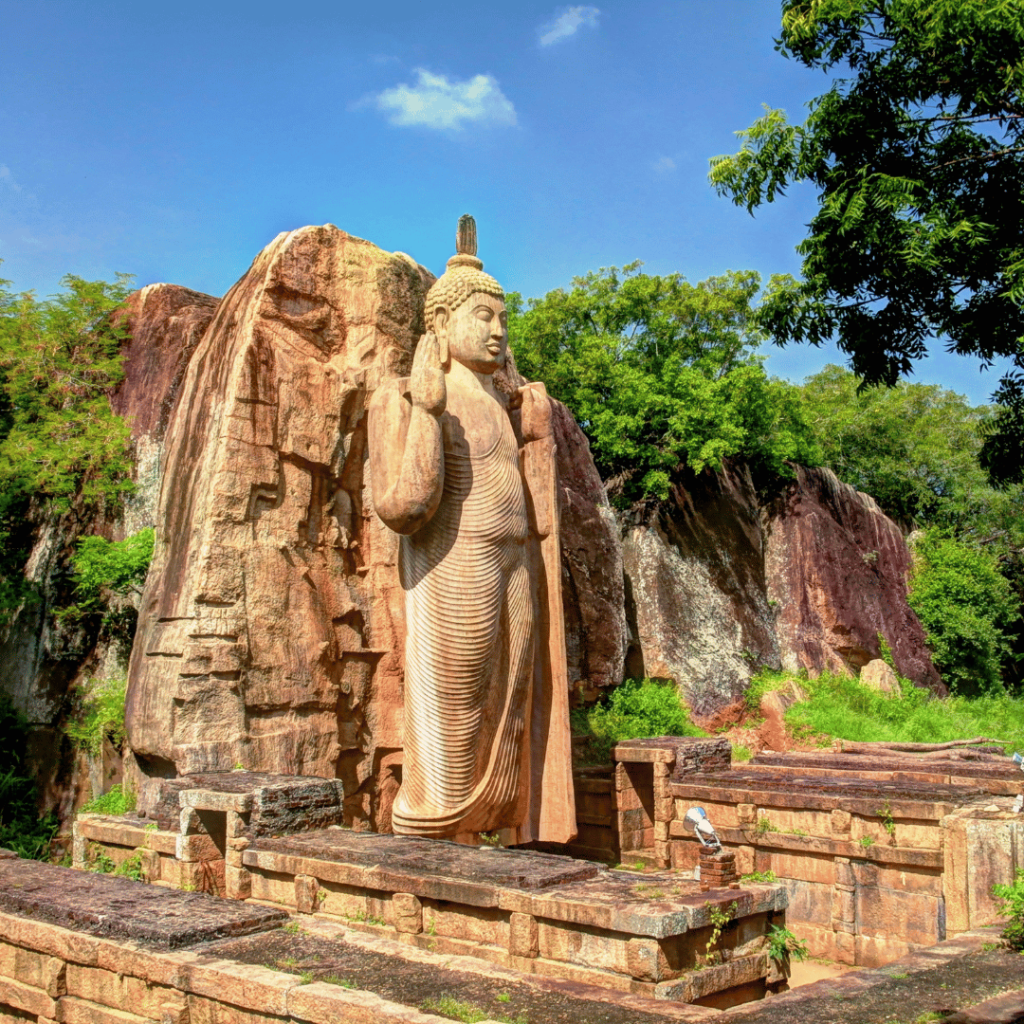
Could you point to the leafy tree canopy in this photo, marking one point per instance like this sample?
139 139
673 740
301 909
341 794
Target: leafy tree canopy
914 448
918 159
968 610
60 443
660 372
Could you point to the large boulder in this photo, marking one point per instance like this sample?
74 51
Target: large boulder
271 632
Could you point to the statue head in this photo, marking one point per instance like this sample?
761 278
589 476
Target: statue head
465 308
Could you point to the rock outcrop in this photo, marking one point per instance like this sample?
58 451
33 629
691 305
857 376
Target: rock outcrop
45 659
697 594
271 630
837 570
723 581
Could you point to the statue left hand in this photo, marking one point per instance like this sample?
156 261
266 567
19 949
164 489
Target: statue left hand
533 399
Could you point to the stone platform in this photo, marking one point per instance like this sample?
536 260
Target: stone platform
317 971
542 914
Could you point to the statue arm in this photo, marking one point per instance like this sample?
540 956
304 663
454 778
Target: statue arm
406 446
532 421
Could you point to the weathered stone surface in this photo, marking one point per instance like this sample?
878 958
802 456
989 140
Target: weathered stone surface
723 580
119 908
836 569
879 676
263 519
696 598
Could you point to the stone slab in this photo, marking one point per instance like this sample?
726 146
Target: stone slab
408 857
123 909
767 787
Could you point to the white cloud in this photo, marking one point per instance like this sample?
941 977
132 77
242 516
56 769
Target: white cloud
568 23
7 179
434 102
664 165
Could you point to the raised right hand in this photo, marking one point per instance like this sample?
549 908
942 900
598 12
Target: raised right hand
426 383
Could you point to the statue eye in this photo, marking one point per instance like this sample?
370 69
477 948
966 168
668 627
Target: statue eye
484 313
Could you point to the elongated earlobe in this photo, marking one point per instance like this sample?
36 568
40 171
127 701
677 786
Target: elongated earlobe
440 331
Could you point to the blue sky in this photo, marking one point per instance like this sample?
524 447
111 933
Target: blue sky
173 141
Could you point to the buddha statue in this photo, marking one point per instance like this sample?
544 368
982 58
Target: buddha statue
466 475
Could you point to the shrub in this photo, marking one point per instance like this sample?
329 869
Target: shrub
99 715
1011 905
967 608
21 827
119 799
635 709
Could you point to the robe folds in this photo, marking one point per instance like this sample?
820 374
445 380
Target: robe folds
486 744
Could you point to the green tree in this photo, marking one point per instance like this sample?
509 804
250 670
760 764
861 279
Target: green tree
61 446
968 610
918 161
659 372
914 448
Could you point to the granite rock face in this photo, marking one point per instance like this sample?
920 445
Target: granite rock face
837 570
270 625
697 596
271 631
723 580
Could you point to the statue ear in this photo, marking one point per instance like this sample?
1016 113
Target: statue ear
443 348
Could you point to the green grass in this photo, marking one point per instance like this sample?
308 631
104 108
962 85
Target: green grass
636 709
764 682
457 1009
741 752
117 800
840 706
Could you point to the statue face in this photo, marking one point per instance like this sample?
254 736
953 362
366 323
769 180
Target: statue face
477 333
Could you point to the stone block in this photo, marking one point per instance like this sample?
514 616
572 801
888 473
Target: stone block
661 831
246 985
237 883
22 964
746 814
407 912
54 977
806 867
593 948
914 917
646 961
844 872
96 985
174 1012
522 935
981 848
193 848
26 998
307 889
840 822
843 909
845 948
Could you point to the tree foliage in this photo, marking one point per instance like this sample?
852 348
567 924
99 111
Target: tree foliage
915 449
968 610
918 161
659 372
60 443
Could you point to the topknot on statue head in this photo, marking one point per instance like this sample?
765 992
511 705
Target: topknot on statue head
463 277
